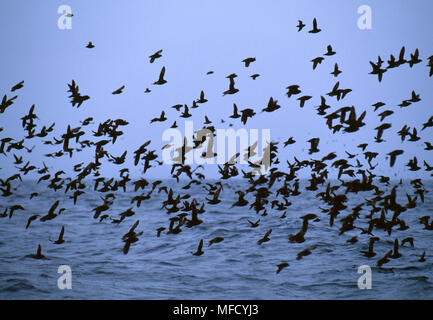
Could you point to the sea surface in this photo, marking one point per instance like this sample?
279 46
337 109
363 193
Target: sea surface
236 268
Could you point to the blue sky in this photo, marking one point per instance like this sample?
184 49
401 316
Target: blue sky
198 36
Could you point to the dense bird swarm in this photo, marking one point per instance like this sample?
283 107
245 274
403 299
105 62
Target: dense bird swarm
272 190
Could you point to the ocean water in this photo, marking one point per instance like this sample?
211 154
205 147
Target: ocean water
236 268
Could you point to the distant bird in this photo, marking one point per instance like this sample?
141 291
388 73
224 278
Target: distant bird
232 89
385 114
289 141
159 230
377 105
247 113
415 97
118 91
206 120
161 118
38 254
300 236
300 25
370 252
248 61
254 76
272 105
235 112
6 103
265 237
395 254
376 69
90 45
60 239
32 218
215 240
241 201
281 266
293 90
202 98
199 251
422 258
19 85
156 55
393 155
314 143
407 240
414 59
363 146
317 61
315 28
336 71
384 259
254 224
401 60
329 51
161 80
304 253
77 98
215 199
131 237
13 208
303 99
185 113
427 124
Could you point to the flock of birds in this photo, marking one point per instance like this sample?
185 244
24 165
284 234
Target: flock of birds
274 190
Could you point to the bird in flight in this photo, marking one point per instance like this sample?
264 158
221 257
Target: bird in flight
232 89
336 71
19 85
281 266
199 251
161 77
60 239
156 55
161 118
315 28
38 254
317 61
248 61
329 51
300 25
247 113
118 91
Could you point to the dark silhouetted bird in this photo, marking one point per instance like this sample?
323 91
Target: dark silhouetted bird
118 91
300 25
336 71
154 56
199 251
248 61
19 85
281 266
315 28
161 80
